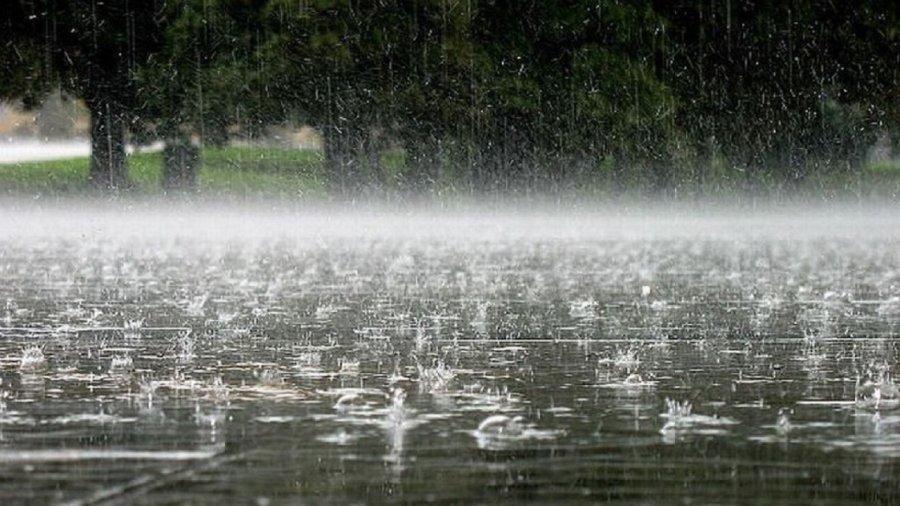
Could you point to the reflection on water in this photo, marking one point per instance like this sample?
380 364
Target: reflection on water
384 368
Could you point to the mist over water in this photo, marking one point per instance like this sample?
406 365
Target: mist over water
250 221
249 353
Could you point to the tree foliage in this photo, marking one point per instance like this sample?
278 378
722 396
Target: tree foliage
90 49
487 95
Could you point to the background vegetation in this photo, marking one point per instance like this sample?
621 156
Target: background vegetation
475 96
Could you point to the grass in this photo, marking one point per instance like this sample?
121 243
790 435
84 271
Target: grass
877 180
242 171
232 171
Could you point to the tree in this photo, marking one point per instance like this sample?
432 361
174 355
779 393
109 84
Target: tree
90 49
324 64
561 85
783 88
201 83
492 92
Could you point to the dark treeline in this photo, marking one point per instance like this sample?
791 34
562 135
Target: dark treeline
478 95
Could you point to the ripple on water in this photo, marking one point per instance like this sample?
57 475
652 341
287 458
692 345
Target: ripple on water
503 432
547 361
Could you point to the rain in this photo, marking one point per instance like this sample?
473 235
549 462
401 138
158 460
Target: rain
451 251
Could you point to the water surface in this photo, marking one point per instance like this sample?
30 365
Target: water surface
281 357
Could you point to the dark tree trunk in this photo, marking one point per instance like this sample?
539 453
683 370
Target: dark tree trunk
108 171
181 162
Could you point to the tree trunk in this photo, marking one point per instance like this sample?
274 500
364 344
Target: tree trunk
108 171
181 162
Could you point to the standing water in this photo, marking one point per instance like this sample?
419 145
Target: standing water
281 357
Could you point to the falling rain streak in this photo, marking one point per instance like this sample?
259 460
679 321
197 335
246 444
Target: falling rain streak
448 357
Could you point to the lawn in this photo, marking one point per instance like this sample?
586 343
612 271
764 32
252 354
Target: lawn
876 180
232 171
242 171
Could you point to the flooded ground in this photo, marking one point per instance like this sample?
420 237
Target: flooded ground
284 358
